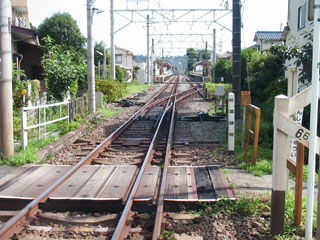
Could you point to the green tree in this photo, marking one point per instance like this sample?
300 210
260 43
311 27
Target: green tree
223 68
63 29
193 57
99 52
63 69
121 74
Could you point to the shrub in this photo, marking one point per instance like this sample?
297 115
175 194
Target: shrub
113 90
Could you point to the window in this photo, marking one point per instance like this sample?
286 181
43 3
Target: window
119 58
302 16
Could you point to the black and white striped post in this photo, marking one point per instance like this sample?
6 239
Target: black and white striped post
231 122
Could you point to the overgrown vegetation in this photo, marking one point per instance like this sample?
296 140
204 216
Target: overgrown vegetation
242 206
63 69
112 90
290 230
30 154
106 112
136 88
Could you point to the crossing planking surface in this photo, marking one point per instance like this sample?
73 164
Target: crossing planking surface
113 183
196 183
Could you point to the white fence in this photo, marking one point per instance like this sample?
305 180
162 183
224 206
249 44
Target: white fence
285 128
41 112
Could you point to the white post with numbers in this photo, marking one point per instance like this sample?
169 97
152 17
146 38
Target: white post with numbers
231 123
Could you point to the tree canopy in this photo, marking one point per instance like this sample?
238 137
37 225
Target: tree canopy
193 57
65 71
63 29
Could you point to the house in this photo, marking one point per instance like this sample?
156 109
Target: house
20 15
266 39
297 28
26 49
124 59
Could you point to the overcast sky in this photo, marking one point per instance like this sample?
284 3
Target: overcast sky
258 15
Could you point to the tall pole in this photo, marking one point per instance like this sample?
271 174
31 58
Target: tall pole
148 50
105 64
91 79
6 112
236 55
313 122
214 55
153 63
113 65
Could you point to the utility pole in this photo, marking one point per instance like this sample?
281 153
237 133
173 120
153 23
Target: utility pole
104 63
153 62
91 78
236 55
113 65
6 112
214 55
148 51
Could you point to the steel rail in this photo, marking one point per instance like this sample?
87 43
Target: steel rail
124 224
172 93
159 213
16 223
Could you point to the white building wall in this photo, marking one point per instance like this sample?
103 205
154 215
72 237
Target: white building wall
296 36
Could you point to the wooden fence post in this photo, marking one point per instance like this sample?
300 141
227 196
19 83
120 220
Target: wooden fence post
246 146
256 137
279 169
299 185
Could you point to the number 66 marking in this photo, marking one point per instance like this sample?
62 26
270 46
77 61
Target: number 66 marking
300 134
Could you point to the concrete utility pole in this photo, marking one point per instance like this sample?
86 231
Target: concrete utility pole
91 78
236 55
104 63
6 112
148 50
214 54
153 62
113 64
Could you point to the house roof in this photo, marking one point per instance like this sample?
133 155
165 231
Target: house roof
123 49
24 34
268 35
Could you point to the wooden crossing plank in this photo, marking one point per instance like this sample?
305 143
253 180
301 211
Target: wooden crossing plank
147 188
74 184
191 182
169 189
41 184
13 191
96 183
176 185
118 187
204 185
14 180
221 186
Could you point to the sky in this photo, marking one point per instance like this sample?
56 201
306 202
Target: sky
257 15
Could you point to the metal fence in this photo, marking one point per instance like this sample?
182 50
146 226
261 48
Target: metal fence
36 117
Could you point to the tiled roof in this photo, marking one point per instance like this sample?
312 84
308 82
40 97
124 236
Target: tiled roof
268 35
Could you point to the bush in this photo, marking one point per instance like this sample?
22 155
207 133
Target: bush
121 74
113 90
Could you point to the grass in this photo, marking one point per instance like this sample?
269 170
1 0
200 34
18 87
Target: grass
30 154
242 206
290 230
136 88
261 168
106 112
212 87
167 235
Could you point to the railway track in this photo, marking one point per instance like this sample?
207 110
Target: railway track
143 179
